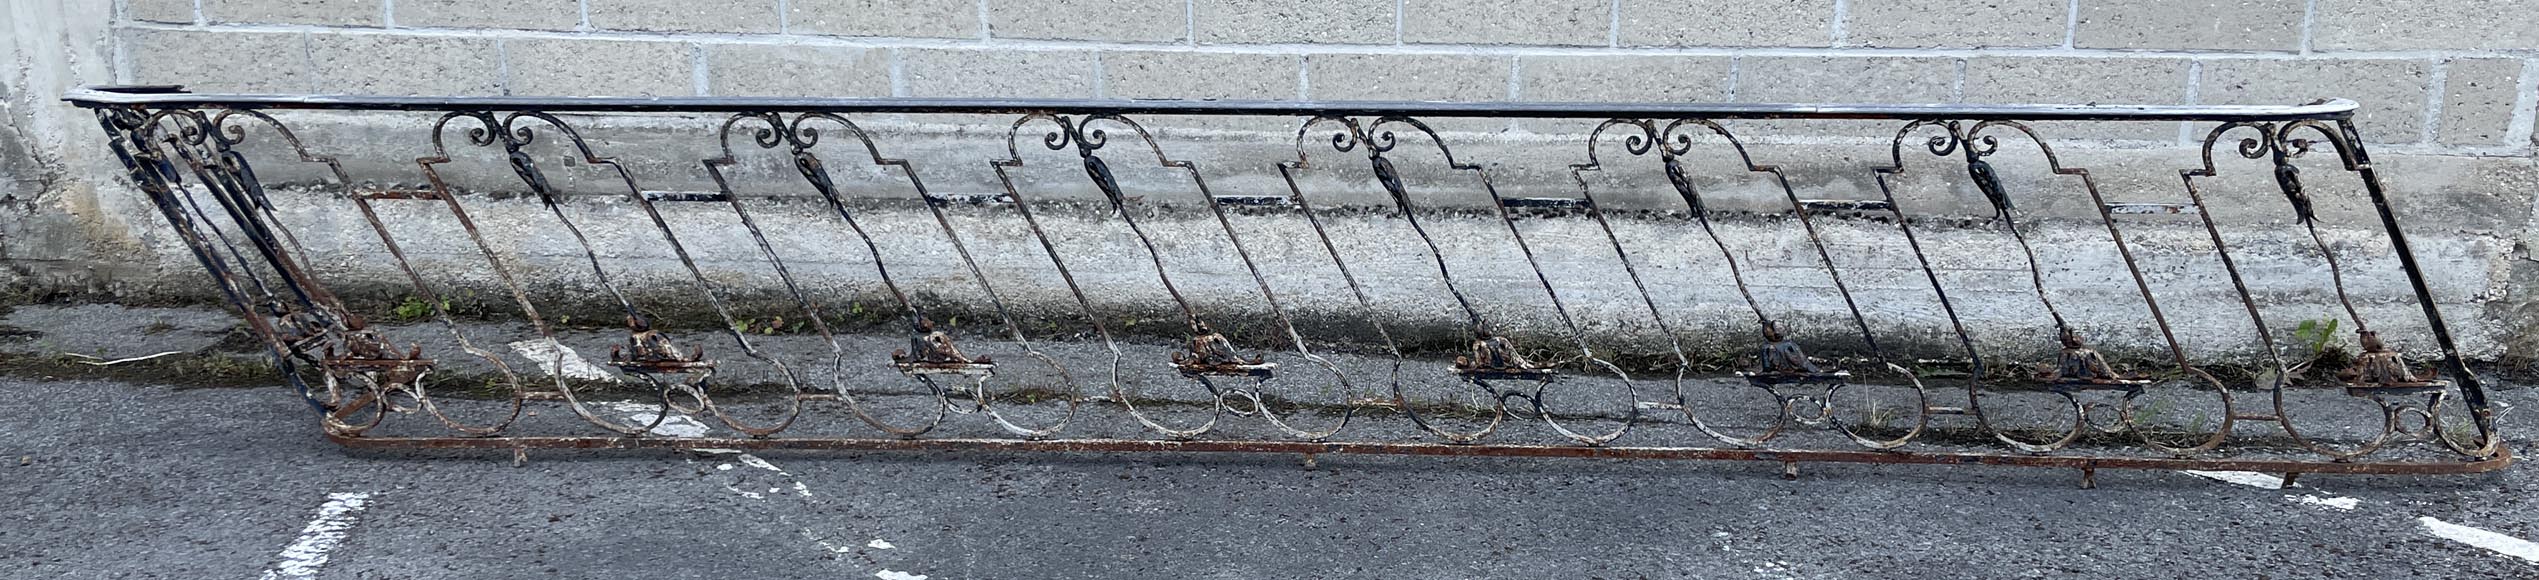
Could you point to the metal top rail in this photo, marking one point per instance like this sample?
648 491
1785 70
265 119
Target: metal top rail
170 96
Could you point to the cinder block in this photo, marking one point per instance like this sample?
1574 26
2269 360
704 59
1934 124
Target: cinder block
1290 21
1531 22
2200 25
1411 77
1727 23
997 73
1414 77
382 64
522 14
2440 24
1623 79
2074 80
1840 80
1663 79
1803 79
1199 75
1956 23
924 18
159 10
686 15
2478 96
2392 91
565 67
797 71
220 62
329 12
1107 20
2059 80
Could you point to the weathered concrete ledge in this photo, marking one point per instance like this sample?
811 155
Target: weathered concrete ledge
2468 218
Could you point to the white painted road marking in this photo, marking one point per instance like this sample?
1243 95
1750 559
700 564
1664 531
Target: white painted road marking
2499 543
302 558
2332 502
761 463
2247 478
675 425
755 461
2274 481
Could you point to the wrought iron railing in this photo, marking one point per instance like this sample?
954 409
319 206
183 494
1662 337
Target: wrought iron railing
1272 382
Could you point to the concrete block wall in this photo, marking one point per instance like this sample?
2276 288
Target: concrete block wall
2450 77
2448 89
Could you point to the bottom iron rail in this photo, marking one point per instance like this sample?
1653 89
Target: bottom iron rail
1309 449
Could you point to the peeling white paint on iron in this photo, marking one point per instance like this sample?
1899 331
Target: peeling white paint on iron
2247 478
335 518
2498 543
557 359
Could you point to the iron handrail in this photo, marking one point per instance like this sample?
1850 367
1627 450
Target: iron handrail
2332 109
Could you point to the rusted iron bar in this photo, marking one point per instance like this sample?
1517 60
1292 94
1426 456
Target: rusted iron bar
2499 461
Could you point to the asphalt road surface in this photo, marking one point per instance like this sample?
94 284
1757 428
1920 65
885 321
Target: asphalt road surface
130 479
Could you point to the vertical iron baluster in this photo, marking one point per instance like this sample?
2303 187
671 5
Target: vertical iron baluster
296 331
695 383
1296 340
2472 390
1005 314
1348 137
489 132
1671 149
2380 390
1087 143
2142 285
1391 179
367 354
1943 146
127 131
1639 145
1198 368
799 140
